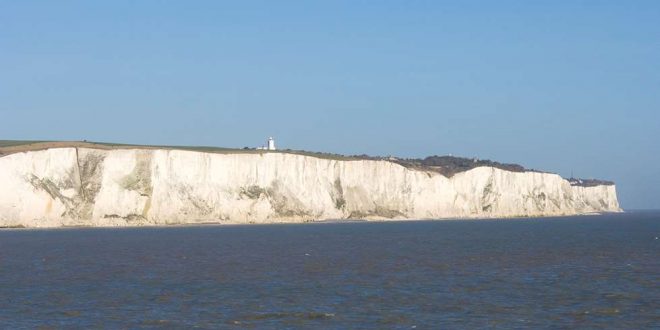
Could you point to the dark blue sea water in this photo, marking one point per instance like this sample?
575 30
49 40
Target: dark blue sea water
577 272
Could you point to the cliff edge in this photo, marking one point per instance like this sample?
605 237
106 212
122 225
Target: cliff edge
84 185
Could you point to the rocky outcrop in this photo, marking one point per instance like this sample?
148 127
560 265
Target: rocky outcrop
133 186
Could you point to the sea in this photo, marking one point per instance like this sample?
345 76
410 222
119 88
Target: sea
586 272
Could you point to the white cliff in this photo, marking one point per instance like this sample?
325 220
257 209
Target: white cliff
125 187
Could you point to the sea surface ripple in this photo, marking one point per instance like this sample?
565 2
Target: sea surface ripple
574 272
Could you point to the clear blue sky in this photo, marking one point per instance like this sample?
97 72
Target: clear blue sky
555 85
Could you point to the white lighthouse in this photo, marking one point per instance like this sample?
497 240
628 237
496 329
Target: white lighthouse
270 145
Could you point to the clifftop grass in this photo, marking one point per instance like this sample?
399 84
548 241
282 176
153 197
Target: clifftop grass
445 165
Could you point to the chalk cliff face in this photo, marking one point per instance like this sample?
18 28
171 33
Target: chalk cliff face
125 187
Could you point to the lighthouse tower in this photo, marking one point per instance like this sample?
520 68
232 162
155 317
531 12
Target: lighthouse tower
271 143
